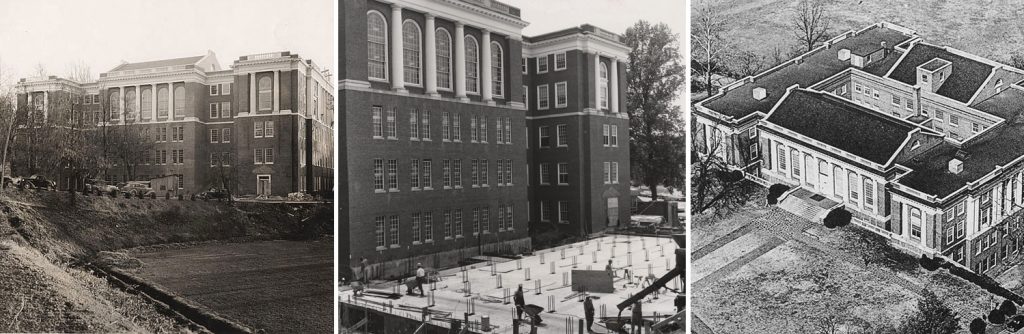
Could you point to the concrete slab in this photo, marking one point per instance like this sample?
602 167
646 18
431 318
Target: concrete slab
550 269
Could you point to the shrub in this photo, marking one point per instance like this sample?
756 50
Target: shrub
996 317
152 195
128 195
978 326
113 193
167 196
776 190
837 218
181 197
928 263
1008 307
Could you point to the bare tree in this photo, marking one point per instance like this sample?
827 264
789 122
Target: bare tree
747 63
78 71
812 22
715 187
707 47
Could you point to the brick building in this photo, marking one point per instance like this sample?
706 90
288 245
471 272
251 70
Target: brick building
264 125
922 143
458 134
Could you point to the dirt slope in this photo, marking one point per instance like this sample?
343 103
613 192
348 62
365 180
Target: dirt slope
45 237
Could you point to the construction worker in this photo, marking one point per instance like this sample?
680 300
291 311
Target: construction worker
588 313
421 277
680 302
362 270
636 323
519 301
610 269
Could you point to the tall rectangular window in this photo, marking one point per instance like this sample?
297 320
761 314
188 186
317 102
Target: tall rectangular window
416 223
379 231
425 130
446 172
482 136
457 127
915 223
545 174
393 231
854 194
562 134
615 136
392 124
428 226
225 135
485 217
214 136
214 113
508 172
458 223
378 172
544 134
563 212
448 224
457 168
796 163
563 173
615 172
446 127
542 97
561 95
393 175
474 173
426 182
499 129
414 125
414 174
483 173
472 129
508 130
782 158
476 221
869 193
500 172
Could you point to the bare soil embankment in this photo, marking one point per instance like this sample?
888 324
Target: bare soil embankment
48 242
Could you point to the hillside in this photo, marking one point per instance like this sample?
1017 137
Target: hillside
47 240
989 28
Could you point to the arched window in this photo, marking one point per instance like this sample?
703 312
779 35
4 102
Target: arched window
179 101
472 65
377 45
129 104
147 104
115 105
604 85
265 95
411 45
161 102
443 44
497 72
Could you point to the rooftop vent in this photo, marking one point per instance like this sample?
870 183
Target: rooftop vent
961 154
956 166
844 54
760 93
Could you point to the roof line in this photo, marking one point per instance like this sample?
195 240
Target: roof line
984 84
913 43
781 99
902 145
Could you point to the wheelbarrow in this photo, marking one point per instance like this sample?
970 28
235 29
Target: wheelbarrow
533 311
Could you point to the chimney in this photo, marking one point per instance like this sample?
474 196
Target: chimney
760 93
956 166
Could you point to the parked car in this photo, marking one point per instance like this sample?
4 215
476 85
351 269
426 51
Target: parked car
97 186
37 182
9 182
137 188
217 194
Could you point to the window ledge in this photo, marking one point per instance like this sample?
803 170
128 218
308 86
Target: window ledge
447 238
380 248
428 241
416 243
395 246
379 191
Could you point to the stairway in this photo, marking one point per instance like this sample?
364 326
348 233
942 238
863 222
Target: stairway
799 206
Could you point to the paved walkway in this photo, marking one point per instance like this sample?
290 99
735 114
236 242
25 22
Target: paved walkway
780 226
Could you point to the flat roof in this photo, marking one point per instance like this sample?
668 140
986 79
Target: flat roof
451 297
966 78
739 102
842 124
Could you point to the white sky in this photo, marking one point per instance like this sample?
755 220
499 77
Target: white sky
615 15
102 33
